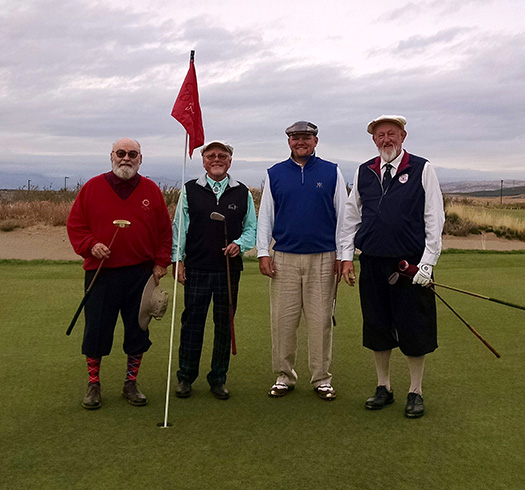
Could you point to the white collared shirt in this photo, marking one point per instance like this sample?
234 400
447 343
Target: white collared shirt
434 215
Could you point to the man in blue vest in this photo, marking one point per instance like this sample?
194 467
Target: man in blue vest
202 269
394 212
302 209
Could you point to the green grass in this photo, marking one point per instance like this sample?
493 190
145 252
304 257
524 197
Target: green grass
470 437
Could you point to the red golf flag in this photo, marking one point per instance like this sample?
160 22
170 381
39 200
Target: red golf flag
187 110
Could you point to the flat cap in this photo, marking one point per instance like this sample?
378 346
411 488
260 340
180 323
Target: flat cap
222 144
399 120
302 127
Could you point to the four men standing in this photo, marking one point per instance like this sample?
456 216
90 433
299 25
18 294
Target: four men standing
307 233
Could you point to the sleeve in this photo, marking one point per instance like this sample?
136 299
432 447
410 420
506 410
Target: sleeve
162 254
351 221
80 235
340 197
265 221
178 248
247 239
434 215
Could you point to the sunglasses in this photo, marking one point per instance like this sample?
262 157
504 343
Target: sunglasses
122 153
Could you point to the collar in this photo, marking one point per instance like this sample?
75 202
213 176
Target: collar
307 161
231 182
117 181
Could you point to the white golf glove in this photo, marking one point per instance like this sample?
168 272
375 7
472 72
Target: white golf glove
423 275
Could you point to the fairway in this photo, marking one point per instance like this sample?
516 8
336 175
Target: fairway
471 436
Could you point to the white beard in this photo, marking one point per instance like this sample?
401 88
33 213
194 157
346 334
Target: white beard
125 173
389 155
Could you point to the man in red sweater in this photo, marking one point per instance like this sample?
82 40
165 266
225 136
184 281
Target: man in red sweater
138 251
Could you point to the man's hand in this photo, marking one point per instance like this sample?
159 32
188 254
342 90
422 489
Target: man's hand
100 251
181 278
423 275
267 267
232 250
348 272
338 270
158 272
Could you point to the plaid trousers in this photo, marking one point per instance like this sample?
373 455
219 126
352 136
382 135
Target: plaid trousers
199 288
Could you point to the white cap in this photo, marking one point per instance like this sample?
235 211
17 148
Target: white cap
399 120
222 144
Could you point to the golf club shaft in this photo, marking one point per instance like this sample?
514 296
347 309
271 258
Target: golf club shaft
230 301
334 302
408 270
84 299
467 325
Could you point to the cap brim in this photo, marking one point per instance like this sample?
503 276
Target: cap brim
144 316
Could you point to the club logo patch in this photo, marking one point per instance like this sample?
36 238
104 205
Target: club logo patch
232 206
403 178
145 203
319 185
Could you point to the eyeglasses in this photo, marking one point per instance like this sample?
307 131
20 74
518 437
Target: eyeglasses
122 153
212 156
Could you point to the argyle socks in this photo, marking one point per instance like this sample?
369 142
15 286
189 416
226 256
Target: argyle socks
94 369
133 367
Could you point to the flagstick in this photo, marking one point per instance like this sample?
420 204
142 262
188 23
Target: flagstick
166 424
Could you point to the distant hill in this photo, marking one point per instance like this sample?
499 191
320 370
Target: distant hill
507 192
484 188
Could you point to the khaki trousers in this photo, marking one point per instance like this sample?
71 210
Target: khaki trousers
304 283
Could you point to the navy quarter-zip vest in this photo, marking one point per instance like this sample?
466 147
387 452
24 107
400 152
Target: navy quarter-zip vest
393 223
205 239
305 218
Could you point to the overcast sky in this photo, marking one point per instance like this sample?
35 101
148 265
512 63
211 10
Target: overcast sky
76 75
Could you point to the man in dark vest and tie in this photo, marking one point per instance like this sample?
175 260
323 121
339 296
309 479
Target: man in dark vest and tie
394 212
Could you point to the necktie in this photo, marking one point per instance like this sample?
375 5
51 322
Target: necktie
387 177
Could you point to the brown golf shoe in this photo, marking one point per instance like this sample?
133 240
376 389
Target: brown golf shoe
279 389
325 392
92 399
133 394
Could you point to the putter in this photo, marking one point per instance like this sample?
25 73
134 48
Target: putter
119 223
410 270
393 278
220 217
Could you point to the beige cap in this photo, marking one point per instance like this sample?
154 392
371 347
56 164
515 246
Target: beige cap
399 120
153 304
222 144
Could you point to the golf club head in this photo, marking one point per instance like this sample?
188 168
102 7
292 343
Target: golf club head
408 269
393 278
217 216
122 223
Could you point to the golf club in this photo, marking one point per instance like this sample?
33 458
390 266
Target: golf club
393 278
220 217
334 302
119 223
410 270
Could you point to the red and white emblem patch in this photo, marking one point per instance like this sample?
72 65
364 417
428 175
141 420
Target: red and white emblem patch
403 178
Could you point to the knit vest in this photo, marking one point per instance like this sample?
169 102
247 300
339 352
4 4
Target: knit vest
305 218
393 223
206 238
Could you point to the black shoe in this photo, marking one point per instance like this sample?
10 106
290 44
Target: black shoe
92 400
220 392
380 399
183 389
415 407
133 394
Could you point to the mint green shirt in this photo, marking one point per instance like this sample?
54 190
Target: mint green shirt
247 239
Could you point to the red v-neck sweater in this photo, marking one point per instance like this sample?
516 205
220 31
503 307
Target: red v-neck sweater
91 221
